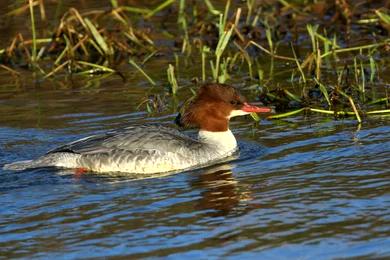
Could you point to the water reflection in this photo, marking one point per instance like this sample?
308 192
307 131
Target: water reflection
221 192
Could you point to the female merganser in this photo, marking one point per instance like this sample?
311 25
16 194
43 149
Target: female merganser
155 149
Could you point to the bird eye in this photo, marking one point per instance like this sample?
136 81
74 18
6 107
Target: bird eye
236 102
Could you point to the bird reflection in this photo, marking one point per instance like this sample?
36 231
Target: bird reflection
221 191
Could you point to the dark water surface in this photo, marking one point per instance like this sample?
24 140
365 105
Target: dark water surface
301 188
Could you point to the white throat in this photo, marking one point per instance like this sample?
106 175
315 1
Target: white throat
239 112
224 142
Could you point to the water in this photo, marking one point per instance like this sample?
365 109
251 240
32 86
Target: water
301 188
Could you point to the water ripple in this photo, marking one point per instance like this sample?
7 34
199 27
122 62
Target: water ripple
300 191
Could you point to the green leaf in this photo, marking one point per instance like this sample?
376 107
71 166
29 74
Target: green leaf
98 37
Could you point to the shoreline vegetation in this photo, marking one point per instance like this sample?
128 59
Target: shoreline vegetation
334 54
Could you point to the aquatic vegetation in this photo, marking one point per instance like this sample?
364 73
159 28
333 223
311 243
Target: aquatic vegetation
172 79
299 56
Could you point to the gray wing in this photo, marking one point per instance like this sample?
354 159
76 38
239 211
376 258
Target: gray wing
143 137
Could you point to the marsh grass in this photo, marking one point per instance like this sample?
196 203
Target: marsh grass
172 79
80 41
33 33
132 62
324 69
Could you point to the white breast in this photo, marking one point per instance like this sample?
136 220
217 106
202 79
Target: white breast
224 142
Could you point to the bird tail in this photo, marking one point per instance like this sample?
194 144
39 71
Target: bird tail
67 160
21 165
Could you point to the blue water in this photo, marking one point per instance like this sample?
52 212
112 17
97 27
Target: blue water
300 189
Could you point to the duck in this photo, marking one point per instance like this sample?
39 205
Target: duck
150 149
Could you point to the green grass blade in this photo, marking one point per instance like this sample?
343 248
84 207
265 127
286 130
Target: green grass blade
98 37
378 112
298 64
255 116
172 79
323 90
160 7
222 43
287 114
114 3
377 101
355 110
136 10
58 68
205 50
96 66
211 8
34 36
372 69
292 96
330 112
132 62
356 48
384 17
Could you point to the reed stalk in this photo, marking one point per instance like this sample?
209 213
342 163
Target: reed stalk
33 31
172 79
160 7
132 62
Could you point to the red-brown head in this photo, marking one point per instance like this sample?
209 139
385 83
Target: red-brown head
214 105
